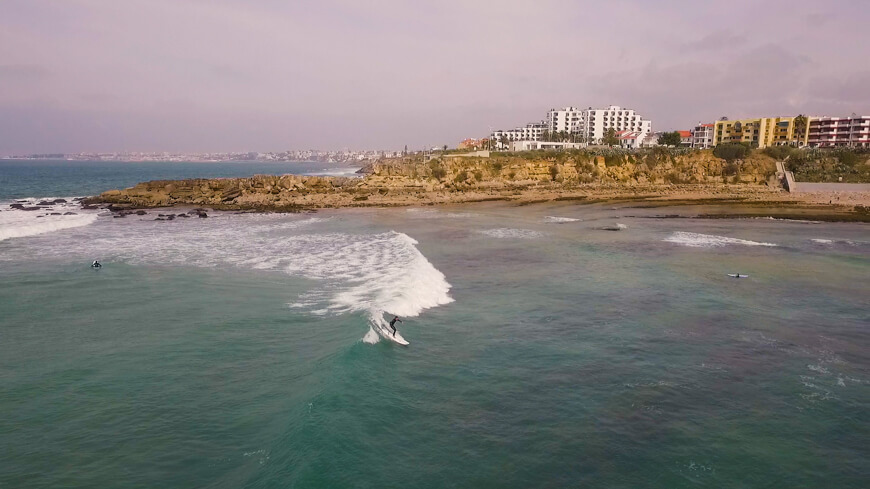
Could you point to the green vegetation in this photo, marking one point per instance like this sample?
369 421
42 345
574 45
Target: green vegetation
670 139
840 165
731 151
461 177
438 172
610 138
782 152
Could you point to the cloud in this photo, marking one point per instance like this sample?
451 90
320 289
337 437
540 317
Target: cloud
26 72
721 40
271 74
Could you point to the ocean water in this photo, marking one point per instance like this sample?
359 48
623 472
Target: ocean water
44 178
247 350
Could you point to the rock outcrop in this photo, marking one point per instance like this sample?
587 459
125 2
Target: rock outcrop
410 180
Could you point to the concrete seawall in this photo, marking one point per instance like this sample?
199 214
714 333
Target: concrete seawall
826 187
806 187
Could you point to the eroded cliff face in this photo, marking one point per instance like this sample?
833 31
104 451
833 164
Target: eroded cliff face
573 169
408 181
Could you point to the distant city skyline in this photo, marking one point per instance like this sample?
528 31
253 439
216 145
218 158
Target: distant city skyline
233 75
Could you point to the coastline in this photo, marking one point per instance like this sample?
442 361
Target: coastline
731 201
696 179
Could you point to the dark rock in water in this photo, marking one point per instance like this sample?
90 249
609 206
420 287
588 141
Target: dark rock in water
617 227
159 219
183 215
118 216
39 217
170 217
31 208
17 206
90 207
46 202
202 215
141 213
70 214
60 201
55 213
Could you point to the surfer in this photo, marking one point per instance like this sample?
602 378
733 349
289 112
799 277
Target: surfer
96 264
393 323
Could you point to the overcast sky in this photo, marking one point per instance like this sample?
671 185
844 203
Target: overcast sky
234 75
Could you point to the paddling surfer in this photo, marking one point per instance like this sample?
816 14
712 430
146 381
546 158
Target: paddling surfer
393 323
96 264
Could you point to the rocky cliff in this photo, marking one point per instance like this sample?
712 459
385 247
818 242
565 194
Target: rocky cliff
411 180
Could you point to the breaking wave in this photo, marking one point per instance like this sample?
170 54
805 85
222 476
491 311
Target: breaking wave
510 233
698 240
559 220
17 223
371 274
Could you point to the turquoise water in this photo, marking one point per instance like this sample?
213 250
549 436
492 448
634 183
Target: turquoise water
57 178
229 351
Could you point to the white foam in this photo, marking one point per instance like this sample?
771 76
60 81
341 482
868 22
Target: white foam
371 337
698 240
417 212
15 223
335 172
510 233
616 227
373 274
559 220
838 242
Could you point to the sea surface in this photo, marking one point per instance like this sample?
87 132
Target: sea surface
44 178
247 350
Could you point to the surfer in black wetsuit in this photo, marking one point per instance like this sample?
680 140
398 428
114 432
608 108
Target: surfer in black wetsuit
96 264
393 323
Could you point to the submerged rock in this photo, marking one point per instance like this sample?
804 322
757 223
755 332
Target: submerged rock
617 227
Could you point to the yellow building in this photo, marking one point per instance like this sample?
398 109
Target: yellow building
763 131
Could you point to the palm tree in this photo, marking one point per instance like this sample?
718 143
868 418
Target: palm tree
800 128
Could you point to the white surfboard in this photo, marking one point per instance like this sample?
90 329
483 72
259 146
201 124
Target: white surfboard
385 331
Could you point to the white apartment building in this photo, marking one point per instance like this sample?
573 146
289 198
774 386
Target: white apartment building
589 123
702 136
568 119
532 132
600 120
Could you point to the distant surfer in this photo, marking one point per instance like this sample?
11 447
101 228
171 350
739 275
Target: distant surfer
393 323
96 264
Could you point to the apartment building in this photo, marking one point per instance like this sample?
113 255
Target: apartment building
590 124
833 132
597 121
568 119
531 132
763 132
702 136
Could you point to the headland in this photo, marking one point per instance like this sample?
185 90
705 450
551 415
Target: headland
748 187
